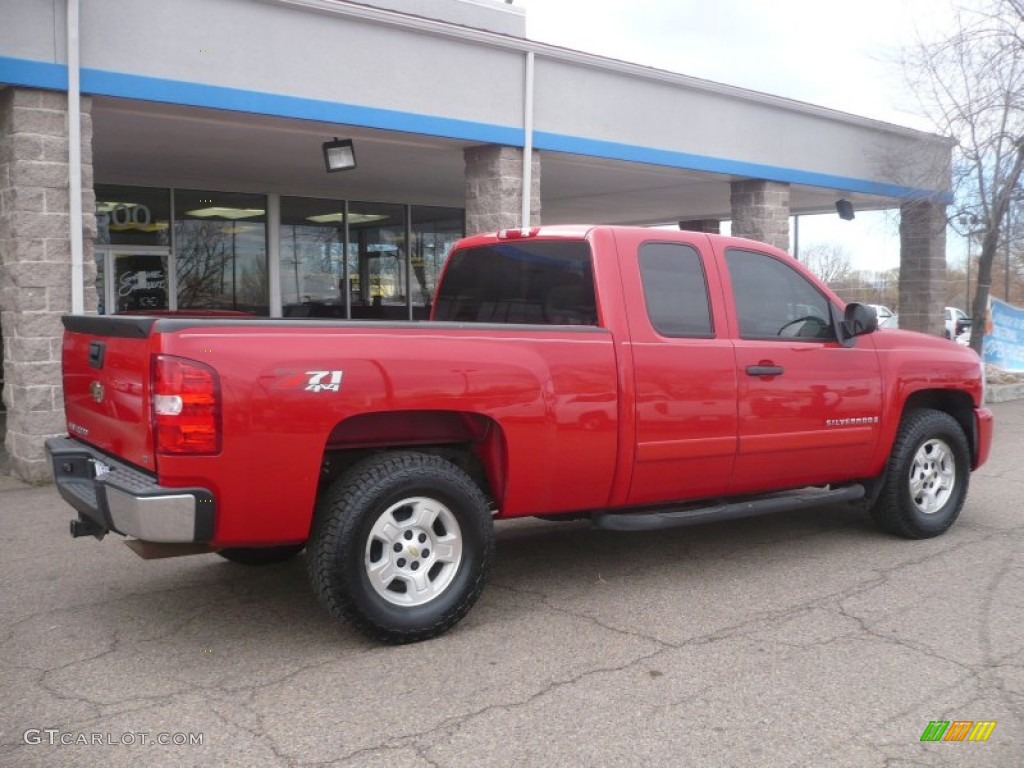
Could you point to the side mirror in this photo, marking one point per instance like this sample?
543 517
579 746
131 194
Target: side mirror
857 320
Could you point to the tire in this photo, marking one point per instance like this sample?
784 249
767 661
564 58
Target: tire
261 555
926 478
436 517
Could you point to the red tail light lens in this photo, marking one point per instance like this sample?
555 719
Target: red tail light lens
186 406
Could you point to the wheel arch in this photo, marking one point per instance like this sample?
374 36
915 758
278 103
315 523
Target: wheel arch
472 441
956 403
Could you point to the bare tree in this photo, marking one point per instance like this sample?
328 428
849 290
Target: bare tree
971 85
829 261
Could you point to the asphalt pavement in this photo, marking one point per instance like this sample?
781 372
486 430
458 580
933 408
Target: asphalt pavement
801 639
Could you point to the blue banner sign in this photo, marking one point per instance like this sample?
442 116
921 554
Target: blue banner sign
1004 340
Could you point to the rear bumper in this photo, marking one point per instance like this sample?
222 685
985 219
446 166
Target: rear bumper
120 498
983 420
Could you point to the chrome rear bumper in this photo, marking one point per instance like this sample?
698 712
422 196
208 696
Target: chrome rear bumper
110 495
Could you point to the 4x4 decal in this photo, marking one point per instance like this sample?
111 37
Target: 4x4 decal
324 381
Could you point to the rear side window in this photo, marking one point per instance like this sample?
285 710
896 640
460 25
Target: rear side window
675 289
544 282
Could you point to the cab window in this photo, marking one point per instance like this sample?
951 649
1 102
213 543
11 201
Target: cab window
540 282
675 290
774 301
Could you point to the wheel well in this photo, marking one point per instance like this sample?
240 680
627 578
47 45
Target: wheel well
470 441
957 404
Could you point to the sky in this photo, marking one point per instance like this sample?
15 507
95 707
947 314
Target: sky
842 55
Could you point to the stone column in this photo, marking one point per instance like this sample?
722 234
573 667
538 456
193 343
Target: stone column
494 178
922 266
760 211
709 226
35 264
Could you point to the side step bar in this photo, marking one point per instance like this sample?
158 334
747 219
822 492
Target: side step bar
674 518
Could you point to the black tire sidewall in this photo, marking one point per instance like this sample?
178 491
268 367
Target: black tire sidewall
475 550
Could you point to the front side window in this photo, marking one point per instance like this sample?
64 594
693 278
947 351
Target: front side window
544 282
774 301
675 289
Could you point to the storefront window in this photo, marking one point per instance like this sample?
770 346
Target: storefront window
220 245
434 232
337 259
132 248
132 215
312 257
379 271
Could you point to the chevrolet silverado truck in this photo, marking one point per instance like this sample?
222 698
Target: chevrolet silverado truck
641 378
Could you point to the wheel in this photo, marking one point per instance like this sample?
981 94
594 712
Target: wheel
400 546
927 476
260 555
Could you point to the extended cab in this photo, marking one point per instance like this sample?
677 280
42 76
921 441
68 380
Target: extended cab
642 378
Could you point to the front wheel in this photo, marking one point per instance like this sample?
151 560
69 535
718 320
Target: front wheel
400 546
926 478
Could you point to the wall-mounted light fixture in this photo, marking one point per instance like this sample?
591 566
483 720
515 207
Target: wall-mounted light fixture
845 210
339 155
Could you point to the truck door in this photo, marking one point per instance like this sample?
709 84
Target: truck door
684 370
809 408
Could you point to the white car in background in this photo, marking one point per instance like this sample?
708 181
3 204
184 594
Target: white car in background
956 322
886 317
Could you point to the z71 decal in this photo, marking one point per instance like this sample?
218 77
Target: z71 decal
324 381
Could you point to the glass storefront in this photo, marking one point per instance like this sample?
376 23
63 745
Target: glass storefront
220 250
132 248
380 281
336 258
434 232
320 255
312 257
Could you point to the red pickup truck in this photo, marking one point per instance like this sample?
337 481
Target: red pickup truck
642 378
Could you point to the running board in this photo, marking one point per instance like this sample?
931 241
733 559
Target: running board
675 518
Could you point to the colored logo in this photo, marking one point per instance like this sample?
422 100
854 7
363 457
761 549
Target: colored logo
958 730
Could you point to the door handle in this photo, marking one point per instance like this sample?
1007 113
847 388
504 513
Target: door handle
765 370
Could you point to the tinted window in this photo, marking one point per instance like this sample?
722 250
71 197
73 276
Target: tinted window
548 282
675 289
774 301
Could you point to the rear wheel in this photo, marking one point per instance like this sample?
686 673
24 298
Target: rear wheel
260 555
400 546
927 476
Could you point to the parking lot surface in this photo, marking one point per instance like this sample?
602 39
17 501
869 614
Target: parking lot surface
798 639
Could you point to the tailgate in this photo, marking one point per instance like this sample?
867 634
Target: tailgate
106 364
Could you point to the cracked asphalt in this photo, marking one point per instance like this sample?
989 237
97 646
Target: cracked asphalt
800 639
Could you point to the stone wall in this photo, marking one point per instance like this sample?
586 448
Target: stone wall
760 211
922 266
494 177
35 264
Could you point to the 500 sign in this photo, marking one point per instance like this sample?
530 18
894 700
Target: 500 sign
123 216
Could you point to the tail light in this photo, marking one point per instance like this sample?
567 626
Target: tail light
186 406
